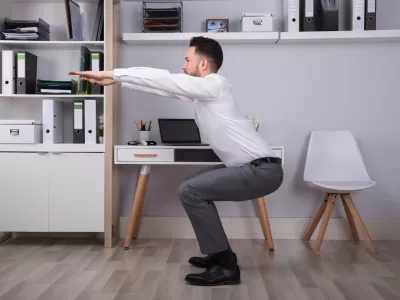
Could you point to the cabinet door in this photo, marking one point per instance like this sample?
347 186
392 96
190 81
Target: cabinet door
24 192
76 192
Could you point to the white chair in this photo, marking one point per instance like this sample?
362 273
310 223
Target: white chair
334 165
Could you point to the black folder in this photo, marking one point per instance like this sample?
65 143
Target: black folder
26 66
308 15
370 15
328 15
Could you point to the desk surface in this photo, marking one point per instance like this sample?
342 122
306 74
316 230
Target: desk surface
163 155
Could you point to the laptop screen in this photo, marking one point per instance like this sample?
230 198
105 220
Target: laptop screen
179 131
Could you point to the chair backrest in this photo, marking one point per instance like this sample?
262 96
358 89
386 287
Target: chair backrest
334 156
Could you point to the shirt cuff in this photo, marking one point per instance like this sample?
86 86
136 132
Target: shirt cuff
117 74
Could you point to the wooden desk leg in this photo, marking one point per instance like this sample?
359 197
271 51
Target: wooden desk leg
137 206
264 221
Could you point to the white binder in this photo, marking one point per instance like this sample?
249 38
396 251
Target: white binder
8 72
357 15
291 13
53 121
90 122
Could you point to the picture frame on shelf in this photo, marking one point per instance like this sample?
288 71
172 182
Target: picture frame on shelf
217 25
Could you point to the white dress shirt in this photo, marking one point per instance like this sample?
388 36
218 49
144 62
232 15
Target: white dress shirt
228 132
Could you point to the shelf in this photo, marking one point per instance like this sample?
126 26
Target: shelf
184 37
267 37
50 96
340 36
51 45
53 148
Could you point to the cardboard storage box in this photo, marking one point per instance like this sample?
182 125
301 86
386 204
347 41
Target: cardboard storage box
253 22
20 132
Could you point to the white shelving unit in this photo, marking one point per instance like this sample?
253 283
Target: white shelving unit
51 45
374 36
72 186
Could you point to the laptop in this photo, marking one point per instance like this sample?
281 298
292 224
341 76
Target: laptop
179 132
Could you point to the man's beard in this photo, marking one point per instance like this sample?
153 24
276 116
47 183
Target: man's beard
196 73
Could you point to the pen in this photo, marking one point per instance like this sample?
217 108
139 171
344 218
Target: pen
137 125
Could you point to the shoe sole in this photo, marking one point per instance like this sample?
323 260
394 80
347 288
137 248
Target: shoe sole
227 282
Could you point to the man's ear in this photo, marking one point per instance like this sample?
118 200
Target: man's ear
204 63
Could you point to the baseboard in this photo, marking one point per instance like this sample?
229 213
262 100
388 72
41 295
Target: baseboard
282 228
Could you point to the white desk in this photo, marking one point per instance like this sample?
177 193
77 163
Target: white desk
173 155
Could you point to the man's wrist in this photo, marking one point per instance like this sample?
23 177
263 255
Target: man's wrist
108 74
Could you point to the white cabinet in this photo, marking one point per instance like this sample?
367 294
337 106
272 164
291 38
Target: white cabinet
56 192
76 192
23 192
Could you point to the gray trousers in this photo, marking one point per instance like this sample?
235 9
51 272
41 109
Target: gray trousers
219 183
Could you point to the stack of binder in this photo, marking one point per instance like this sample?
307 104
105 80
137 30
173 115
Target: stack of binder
90 61
56 87
25 30
18 72
329 15
85 126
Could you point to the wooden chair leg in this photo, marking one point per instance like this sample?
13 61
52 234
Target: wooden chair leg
360 222
137 208
325 221
264 221
316 219
350 220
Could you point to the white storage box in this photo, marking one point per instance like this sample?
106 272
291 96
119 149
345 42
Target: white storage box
253 22
20 132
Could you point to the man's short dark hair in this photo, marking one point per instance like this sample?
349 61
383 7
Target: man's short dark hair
209 48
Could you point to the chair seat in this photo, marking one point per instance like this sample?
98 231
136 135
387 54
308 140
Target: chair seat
341 186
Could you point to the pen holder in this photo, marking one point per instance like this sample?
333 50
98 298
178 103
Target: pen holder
144 135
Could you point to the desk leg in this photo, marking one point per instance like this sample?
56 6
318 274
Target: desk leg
264 221
137 207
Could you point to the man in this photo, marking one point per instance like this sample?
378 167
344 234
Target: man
249 170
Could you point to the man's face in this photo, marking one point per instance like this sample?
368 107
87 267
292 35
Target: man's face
192 63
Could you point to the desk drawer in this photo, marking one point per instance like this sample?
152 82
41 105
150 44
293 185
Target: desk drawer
145 155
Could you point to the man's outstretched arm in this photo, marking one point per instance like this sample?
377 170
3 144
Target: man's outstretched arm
150 90
178 84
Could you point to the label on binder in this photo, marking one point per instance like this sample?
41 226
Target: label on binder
78 115
309 8
21 65
371 6
95 62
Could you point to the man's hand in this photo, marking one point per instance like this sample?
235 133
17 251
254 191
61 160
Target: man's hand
89 74
103 78
98 75
104 82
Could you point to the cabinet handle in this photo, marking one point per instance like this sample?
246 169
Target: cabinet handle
145 155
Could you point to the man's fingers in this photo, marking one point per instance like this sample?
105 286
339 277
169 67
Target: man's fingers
75 73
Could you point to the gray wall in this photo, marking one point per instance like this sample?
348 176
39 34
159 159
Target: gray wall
294 89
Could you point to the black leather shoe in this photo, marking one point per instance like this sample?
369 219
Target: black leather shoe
208 261
216 275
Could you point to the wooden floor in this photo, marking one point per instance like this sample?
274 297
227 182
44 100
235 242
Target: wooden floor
154 269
